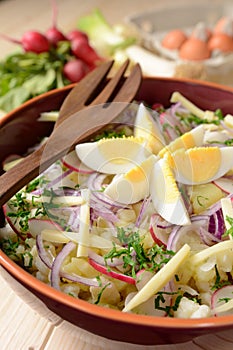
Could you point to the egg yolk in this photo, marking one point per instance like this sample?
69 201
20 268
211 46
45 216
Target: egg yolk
135 175
185 141
198 164
116 150
171 192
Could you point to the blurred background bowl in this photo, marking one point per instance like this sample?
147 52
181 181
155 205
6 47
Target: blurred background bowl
20 129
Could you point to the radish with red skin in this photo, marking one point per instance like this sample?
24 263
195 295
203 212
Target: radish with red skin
71 161
81 49
53 34
220 297
225 184
75 70
111 273
14 225
36 226
76 34
32 41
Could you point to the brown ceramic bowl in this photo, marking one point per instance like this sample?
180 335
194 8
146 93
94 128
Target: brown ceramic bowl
19 130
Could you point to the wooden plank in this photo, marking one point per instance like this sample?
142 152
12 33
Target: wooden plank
212 341
21 327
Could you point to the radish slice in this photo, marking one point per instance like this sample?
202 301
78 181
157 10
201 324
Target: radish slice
111 273
72 162
13 221
36 226
222 301
159 230
226 185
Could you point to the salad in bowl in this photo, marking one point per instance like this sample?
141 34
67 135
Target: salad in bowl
139 218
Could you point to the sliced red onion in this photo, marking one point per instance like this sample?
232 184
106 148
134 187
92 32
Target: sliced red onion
74 219
57 263
42 252
207 237
146 202
105 213
217 224
179 232
95 184
92 282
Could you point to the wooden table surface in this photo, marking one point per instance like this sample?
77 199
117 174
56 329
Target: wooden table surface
25 322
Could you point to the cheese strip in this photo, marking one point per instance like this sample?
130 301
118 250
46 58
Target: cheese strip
208 252
160 279
84 225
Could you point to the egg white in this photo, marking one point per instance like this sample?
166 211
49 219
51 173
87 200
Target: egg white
132 186
145 126
165 194
113 155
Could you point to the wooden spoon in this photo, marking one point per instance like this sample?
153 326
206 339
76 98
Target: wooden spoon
79 118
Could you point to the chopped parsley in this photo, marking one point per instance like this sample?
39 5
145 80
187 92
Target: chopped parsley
160 302
229 232
218 282
135 257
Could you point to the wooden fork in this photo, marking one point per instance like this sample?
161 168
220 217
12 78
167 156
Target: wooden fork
80 116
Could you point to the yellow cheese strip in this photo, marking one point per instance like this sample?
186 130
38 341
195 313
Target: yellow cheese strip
57 236
208 252
177 97
67 201
160 279
84 225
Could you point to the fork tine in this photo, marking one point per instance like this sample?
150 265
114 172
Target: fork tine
105 95
128 90
85 88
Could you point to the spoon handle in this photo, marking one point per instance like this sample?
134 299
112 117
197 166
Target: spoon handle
73 130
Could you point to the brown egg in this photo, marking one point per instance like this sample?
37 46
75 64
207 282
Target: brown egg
224 25
174 39
221 42
194 50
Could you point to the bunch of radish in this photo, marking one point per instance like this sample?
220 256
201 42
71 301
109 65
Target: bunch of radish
83 56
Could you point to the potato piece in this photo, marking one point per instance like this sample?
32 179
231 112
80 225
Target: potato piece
203 196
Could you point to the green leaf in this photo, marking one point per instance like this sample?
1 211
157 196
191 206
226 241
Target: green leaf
14 98
41 82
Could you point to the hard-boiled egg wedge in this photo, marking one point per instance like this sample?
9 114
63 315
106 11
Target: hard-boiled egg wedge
132 186
200 165
146 127
188 140
165 194
114 155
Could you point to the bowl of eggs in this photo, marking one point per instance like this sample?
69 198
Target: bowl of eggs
129 235
196 38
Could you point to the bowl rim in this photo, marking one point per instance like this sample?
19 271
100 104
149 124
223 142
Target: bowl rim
156 322
110 314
